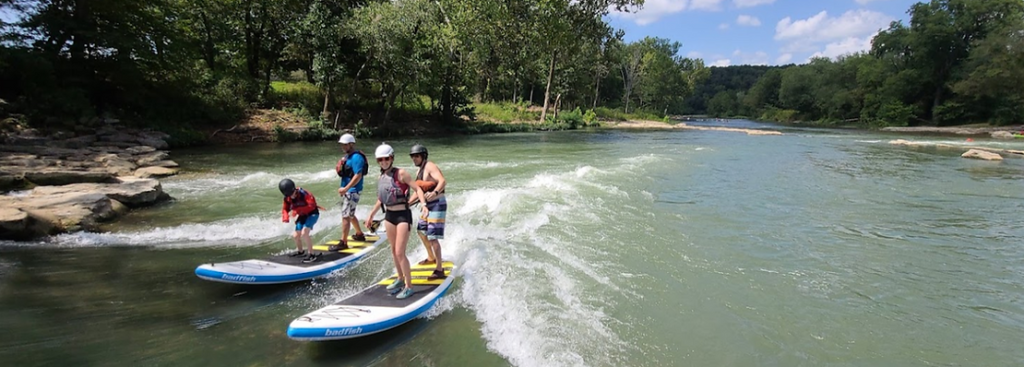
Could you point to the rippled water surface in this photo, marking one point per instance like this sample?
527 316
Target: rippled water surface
608 248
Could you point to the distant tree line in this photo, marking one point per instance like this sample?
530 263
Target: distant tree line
956 62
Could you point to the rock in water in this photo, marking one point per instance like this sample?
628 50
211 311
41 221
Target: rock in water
63 177
48 210
981 154
11 182
68 212
14 223
155 171
1002 134
131 191
79 181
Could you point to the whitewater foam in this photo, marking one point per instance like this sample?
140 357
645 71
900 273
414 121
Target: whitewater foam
19 193
238 232
218 183
478 165
522 274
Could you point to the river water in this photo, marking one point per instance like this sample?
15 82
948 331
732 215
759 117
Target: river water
591 248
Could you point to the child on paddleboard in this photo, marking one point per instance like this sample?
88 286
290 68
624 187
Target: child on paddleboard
300 205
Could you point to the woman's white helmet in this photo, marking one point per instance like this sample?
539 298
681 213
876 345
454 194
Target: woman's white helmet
384 150
347 139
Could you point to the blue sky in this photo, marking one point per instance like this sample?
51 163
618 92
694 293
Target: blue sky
762 32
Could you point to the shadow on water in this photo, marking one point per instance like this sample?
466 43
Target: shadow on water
136 300
370 350
239 300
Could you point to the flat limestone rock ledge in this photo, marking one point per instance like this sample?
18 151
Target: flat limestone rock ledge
28 160
975 152
22 167
49 210
657 125
156 171
747 131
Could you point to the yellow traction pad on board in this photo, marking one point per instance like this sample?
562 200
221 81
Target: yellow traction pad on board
447 265
419 276
350 250
352 244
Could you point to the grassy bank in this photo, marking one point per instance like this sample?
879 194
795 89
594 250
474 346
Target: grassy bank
302 102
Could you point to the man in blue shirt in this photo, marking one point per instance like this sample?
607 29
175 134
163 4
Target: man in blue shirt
351 168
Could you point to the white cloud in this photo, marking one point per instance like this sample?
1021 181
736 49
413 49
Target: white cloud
844 47
721 62
747 20
750 3
705 4
820 27
787 28
830 36
694 55
784 58
653 10
723 26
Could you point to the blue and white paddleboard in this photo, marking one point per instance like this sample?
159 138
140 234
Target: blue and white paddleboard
373 310
286 269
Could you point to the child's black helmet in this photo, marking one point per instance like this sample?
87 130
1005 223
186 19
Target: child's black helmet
287 187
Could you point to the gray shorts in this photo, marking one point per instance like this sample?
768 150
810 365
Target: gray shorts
348 204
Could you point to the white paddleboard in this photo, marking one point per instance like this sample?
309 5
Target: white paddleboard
286 269
373 310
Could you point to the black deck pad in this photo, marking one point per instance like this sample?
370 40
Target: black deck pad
378 296
297 260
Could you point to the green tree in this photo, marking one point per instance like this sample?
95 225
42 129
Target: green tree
393 35
723 104
321 41
765 92
565 23
938 43
995 76
796 91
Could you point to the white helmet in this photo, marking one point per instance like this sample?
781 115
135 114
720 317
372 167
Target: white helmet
384 150
347 139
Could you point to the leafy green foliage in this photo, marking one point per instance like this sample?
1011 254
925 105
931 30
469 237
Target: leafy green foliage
590 117
284 135
361 130
181 64
298 95
505 112
317 130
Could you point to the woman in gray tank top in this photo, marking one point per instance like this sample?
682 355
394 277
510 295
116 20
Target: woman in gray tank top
392 194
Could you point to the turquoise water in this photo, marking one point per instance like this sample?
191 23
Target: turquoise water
599 248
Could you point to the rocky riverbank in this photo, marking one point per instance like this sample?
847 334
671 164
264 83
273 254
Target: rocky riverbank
61 183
